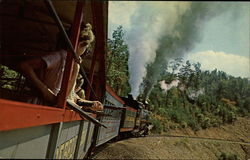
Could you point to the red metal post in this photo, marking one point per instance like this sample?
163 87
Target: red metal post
75 30
103 41
110 91
99 51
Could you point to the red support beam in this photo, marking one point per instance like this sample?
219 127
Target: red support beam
110 91
75 30
131 109
100 50
16 115
103 41
126 129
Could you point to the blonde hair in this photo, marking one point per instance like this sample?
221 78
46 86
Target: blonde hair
87 35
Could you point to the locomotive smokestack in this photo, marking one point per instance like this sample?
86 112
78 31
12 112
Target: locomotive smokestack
130 96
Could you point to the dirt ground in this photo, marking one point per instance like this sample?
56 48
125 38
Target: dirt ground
164 147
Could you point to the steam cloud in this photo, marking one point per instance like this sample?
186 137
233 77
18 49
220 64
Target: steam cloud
152 20
195 94
162 31
166 86
192 93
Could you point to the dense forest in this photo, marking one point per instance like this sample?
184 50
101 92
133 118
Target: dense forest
200 99
117 63
185 96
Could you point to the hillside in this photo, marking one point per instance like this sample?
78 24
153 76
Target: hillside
164 147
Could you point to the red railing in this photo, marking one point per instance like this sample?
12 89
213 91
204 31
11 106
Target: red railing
15 115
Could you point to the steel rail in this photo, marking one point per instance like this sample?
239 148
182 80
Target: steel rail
113 107
201 138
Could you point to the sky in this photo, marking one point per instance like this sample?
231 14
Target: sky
226 48
222 40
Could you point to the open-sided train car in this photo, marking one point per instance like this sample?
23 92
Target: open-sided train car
124 117
130 118
29 29
135 119
113 107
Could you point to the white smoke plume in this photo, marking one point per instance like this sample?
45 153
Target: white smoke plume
182 38
166 86
195 94
151 21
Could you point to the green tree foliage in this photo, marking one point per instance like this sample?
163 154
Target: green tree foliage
202 99
228 156
8 78
117 63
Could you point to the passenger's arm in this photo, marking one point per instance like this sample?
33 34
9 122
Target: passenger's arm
95 105
28 68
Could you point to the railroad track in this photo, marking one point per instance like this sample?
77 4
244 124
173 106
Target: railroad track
202 138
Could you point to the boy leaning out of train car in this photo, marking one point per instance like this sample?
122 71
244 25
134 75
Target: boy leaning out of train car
46 72
77 95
